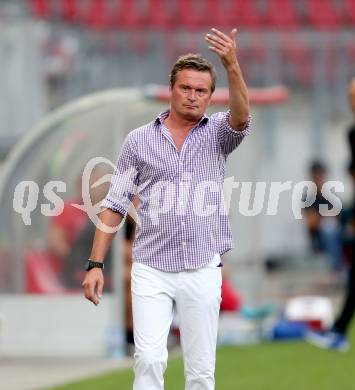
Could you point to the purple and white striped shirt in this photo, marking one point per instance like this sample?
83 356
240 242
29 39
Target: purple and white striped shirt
181 223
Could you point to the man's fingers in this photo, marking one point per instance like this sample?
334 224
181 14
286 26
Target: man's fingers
218 51
86 289
100 287
233 34
221 35
216 41
93 297
216 44
89 293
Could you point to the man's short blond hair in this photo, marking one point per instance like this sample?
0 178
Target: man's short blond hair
195 62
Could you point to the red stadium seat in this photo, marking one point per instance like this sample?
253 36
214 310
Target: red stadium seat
127 15
245 14
40 8
232 14
282 14
97 15
214 13
323 14
219 14
191 14
160 14
350 11
69 10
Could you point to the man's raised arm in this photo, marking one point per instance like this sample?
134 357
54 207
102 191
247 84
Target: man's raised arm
226 48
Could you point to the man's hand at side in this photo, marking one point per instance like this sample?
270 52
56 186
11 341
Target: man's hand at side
93 285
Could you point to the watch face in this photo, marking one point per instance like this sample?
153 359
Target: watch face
87 267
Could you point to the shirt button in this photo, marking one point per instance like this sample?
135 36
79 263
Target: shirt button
181 163
184 243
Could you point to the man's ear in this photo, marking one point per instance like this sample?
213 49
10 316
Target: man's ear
210 99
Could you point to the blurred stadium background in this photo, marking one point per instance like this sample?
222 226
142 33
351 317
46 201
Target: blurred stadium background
73 82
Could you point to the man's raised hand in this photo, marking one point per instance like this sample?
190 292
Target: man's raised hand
224 46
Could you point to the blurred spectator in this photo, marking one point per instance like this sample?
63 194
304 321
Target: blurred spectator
335 338
74 264
70 232
63 230
324 232
231 300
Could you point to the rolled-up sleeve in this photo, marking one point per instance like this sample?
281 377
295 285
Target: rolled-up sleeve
124 180
229 138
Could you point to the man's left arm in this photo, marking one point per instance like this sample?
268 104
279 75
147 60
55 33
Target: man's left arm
226 48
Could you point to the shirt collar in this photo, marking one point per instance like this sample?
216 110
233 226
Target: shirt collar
163 115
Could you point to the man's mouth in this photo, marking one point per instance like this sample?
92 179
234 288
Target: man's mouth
189 106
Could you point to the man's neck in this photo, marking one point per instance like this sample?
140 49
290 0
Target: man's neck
174 121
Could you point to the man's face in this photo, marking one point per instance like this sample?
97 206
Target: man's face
191 93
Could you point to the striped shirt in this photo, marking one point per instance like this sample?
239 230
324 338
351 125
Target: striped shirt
182 222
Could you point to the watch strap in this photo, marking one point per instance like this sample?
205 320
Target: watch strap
94 264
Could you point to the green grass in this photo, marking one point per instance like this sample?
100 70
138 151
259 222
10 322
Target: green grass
268 366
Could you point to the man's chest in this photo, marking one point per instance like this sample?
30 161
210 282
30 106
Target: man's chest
169 158
178 139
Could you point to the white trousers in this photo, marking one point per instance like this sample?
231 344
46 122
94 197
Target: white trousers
197 296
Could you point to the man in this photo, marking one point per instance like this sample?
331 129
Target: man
324 232
335 338
176 252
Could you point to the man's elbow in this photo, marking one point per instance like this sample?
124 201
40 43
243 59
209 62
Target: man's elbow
240 122
244 118
242 125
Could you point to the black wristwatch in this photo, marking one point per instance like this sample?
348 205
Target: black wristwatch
93 264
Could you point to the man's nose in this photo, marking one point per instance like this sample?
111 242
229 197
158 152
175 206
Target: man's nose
192 95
